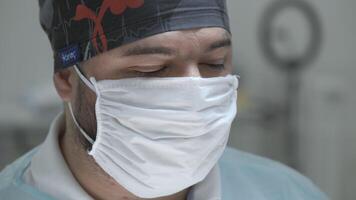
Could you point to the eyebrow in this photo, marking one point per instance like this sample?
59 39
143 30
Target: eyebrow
139 50
226 42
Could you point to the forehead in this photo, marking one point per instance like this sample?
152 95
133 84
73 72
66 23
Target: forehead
186 44
178 39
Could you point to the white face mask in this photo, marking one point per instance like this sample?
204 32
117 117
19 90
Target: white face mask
157 136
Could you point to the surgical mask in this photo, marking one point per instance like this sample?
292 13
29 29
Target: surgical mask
157 136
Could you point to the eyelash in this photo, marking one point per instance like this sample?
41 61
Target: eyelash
214 66
151 73
217 66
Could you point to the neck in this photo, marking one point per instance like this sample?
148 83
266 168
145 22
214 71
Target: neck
96 182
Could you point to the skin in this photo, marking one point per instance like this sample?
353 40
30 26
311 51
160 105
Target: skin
190 58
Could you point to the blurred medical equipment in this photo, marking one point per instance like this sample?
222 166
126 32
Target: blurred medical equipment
291 49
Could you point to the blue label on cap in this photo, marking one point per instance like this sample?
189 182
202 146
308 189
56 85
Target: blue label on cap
69 55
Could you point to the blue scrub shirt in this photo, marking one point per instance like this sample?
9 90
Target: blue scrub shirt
244 176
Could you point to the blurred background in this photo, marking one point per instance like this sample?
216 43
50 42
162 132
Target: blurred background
296 59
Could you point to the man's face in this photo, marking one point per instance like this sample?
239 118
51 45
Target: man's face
205 52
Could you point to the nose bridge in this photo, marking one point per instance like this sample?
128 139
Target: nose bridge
187 62
188 69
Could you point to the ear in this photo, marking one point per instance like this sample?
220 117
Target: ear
65 83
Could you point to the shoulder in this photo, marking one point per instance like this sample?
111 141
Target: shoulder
11 185
248 176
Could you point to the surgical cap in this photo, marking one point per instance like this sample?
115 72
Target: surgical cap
81 29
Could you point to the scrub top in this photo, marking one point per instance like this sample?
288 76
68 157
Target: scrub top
243 177
237 176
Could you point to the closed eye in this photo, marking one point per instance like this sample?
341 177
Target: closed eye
150 73
164 69
217 66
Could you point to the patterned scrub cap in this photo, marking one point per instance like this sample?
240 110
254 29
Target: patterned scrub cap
81 29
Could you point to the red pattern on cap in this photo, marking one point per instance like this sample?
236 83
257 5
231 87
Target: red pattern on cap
117 7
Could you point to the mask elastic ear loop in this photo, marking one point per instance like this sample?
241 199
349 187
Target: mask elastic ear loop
237 82
84 79
78 126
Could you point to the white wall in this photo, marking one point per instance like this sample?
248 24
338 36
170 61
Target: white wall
24 49
25 65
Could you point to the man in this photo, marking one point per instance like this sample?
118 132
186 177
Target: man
149 99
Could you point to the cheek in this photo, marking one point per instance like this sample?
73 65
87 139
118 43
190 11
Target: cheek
86 110
90 97
229 68
85 95
229 63
214 73
86 99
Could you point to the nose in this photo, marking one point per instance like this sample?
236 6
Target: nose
188 70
